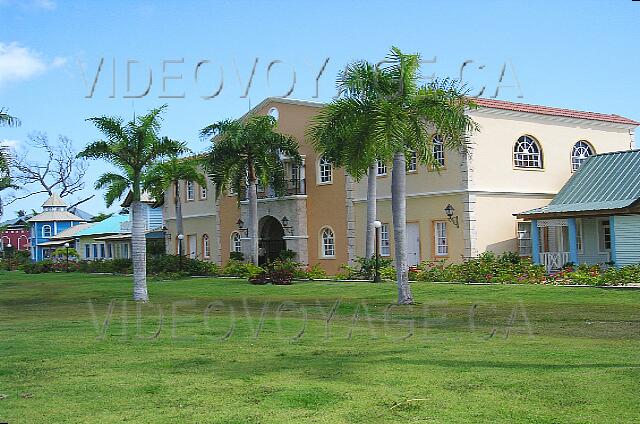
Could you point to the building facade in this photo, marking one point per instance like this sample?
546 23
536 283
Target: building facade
54 219
594 219
15 234
519 159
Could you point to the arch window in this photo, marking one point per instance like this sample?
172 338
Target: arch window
236 243
527 153
206 246
579 153
328 246
46 231
325 171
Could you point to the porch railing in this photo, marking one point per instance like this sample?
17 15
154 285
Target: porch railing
293 187
554 261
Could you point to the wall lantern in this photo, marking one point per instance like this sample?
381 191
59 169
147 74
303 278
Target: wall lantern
449 211
241 227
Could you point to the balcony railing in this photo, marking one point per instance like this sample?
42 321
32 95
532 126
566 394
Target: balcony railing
293 187
554 261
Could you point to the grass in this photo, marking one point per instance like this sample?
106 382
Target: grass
224 351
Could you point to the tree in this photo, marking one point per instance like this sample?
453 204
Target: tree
101 217
165 175
386 115
131 147
49 167
343 131
245 153
5 158
407 120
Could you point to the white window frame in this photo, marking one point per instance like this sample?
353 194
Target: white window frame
87 251
236 242
580 151
412 163
327 243
524 238
203 192
437 149
440 250
527 153
190 191
385 241
206 246
602 238
381 168
50 231
325 171
579 236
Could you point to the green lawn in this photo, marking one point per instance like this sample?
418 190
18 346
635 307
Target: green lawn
230 352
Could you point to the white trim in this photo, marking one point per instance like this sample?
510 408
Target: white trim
199 215
276 199
554 118
294 237
468 191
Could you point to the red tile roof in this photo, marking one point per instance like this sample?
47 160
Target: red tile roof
553 111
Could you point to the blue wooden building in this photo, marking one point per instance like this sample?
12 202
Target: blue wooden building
594 219
53 220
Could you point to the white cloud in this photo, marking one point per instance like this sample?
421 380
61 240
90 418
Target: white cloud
45 4
18 63
11 144
30 4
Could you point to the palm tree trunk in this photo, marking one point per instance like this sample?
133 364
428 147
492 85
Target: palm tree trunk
252 194
399 210
138 251
371 210
178 206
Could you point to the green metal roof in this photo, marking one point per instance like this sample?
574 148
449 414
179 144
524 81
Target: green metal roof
110 225
604 181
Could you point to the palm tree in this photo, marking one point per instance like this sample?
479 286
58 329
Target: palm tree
343 130
407 120
8 120
165 175
131 147
5 177
245 153
386 114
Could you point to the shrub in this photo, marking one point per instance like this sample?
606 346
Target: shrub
486 268
315 272
170 264
236 256
287 255
235 268
365 269
38 267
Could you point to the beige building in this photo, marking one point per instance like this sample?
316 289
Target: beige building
520 158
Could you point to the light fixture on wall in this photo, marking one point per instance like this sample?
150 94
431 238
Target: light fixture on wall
449 211
241 227
286 226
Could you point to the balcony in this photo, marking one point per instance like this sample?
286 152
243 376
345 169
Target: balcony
294 187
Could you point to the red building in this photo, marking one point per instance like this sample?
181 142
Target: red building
15 233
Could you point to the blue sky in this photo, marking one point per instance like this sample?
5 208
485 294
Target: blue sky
573 54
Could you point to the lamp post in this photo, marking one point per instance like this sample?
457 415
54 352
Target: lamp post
9 247
377 225
66 249
180 238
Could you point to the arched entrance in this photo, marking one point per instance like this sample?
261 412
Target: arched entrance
271 241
